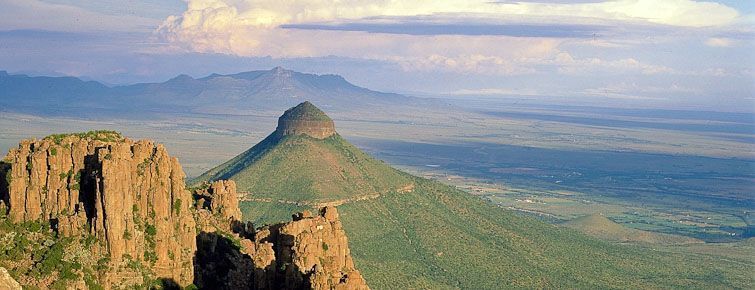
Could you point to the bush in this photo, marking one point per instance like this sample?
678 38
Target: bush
150 230
177 206
101 135
103 264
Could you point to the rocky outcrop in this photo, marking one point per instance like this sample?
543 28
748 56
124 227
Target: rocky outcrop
127 202
220 199
310 252
315 253
305 119
7 282
130 196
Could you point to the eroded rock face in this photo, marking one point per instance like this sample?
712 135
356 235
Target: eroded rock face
220 199
310 252
315 252
129 195
305 119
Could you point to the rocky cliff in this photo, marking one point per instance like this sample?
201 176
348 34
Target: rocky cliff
310 252
305 119
121 216
314 251
129 196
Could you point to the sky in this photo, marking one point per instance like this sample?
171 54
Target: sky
673 54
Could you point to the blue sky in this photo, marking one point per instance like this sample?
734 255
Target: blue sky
633 53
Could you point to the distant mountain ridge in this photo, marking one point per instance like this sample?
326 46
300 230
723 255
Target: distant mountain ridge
241 93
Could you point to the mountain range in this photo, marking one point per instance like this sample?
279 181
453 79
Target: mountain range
243 93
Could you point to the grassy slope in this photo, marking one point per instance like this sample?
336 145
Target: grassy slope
300 168
439 237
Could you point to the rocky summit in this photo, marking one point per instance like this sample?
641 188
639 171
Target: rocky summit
97 210
305 119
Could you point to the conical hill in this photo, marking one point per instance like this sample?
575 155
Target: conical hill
306 161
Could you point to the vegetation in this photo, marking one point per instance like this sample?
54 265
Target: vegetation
30 249
149 252
306 111
450 239
101 135
301 168
142 167
177 206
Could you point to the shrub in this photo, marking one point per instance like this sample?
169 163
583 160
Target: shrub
177 206
103 264
101 135
150 256
150 230
91 282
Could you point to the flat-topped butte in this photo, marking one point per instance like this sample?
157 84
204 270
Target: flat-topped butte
305 119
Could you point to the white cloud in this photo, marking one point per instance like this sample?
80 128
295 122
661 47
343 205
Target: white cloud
567 64
250 27
720 42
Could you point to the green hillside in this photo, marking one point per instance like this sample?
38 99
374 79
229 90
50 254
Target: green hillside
432 236
304 169
438 237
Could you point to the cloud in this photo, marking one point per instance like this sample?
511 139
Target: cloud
418 28
258 27
720 42
567 64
